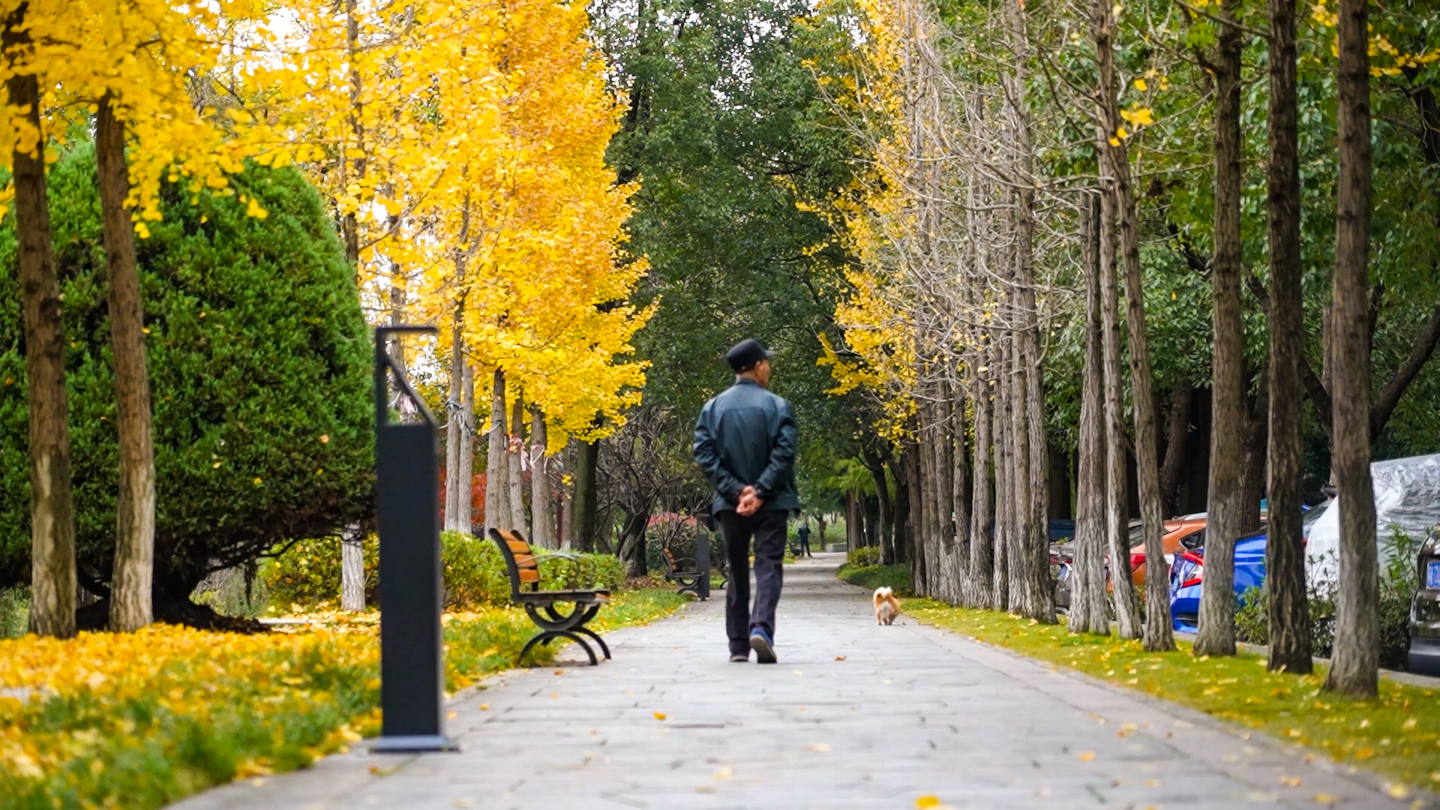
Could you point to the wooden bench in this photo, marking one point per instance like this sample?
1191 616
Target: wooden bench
685 573
522 564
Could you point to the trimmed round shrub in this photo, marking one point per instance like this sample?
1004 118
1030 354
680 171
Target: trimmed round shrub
259 361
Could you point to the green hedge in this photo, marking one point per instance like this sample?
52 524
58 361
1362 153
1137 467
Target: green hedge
896 577
863 556
307 573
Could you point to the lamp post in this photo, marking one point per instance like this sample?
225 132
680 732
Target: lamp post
407 508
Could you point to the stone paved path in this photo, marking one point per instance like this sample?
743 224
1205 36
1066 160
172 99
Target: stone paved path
854 716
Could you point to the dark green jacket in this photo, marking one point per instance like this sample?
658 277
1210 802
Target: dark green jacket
747 437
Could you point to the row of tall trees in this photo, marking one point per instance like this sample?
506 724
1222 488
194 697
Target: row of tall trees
461 149
1034 168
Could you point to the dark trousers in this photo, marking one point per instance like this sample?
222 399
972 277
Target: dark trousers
768 529
805 545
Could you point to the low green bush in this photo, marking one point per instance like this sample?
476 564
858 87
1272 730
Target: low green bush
896 577
308 572
863 556
1397 589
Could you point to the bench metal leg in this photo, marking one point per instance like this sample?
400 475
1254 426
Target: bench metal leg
550 635
605 648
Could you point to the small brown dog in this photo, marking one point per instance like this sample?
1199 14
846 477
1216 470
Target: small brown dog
887 607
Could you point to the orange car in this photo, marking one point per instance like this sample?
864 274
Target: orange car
1181 534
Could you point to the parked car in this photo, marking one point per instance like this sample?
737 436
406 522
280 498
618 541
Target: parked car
1062 559
1424 656
1187 572
1181 534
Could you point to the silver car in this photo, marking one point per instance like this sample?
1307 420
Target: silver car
1425 609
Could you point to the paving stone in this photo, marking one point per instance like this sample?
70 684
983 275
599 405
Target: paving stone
855 715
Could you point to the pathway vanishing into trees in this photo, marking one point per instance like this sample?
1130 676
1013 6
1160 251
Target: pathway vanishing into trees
854 716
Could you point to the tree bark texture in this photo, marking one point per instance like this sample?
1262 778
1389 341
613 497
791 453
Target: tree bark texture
587 496
1004 452
465 505
515 450
352 557
1181 401
1354 667
1088 612
917 510
52 521
901 513
959 558
131 582
1227 426
876 466
454 427
497 468
1057 484
1117 535
982 547
541 506
1290 644
1252 465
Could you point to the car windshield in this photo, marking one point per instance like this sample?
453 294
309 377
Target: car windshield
1314 513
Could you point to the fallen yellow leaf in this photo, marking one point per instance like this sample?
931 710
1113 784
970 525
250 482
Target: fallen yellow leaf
927 801
659 715
1086 756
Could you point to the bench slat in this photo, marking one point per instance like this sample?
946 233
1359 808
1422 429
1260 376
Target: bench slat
525 561
529 575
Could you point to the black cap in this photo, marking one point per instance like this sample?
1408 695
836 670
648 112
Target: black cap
744 355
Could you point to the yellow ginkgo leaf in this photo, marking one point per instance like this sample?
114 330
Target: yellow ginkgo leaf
1141 85
1086 756
927 801
659 715
1114 141
1324 798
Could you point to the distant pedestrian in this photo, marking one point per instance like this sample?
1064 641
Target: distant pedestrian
745 442
804 533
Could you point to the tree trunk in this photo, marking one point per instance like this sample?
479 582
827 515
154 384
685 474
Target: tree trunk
1159 634
497 468
1181 399
1252 466
1357 619
632 543
515 450
543 524
567 496
876 466
982 547
1000 572
914 487
959 558
465 505
1117 535
131 585
454 428
852 522
1290 644
352 556
1057 484
52 521
895 552
1222 522
941 561
586 505
1087 577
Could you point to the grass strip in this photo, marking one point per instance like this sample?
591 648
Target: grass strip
1397 735
895 577
143 719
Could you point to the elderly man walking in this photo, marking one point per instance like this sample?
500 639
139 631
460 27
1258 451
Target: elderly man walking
745 442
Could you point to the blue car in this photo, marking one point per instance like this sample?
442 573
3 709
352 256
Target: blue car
1187 573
